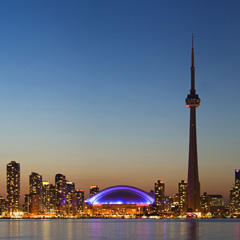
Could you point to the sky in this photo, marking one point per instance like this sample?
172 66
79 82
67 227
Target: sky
96 90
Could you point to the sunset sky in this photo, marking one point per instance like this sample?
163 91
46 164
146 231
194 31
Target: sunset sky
96 90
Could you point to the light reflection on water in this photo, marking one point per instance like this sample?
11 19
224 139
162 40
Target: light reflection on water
118 229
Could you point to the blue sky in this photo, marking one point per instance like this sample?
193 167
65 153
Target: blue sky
95 90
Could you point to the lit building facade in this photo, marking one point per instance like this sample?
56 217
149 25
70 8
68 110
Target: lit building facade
234 203
71 200
46 197
159 190
216 200
182 189
204 203
35 193
93 190
237 177
212 203
80 200
60 194
26 203
52 198
119 200
2 206
13 188
70 187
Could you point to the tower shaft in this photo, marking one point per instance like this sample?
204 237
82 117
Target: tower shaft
193 180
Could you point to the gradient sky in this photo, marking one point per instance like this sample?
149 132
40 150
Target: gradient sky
96 90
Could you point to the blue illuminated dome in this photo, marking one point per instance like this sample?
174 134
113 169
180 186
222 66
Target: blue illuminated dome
121 195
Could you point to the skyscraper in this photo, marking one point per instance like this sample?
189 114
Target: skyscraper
71 199
45 197
234 203
60 188
159 189
80 199
2 205
192 102
13 187
52 195
94 190
70 187
35 192
237 177
182 189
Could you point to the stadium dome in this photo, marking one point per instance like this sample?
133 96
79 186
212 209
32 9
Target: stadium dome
121 195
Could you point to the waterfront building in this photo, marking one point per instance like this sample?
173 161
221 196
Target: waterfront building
237 177
70 187
193 102
119 200
168 203
52 200
212 203
26 203
80 200
2 206
182 190
216 200
234 203
35 193
93 190
46 197
159 189
13 188
204 203
71 200
60 194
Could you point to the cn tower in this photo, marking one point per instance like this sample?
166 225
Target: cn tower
193 102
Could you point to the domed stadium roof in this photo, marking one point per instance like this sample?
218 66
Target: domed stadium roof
121 195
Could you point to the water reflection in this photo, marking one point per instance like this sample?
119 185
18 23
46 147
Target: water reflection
118 229
193 229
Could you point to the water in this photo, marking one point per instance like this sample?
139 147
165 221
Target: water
119 229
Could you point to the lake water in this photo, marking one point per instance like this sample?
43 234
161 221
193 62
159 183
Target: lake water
119 229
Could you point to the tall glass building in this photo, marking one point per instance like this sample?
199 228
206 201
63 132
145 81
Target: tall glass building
13 188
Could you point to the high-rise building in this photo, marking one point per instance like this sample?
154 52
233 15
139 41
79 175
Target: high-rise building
80 200
216 200
71 200
234 203
94 190
13 188
182 189
237 177
2 205
35 193
192 102
45 197
168 203
60 197
213 204
159 188
70 187
205 203
26 203
52 193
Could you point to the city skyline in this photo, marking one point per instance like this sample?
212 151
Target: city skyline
36 185
95 91
64 199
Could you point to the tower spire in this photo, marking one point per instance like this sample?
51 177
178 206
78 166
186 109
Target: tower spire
193 91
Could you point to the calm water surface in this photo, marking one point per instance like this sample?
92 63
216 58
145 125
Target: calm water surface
107 229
